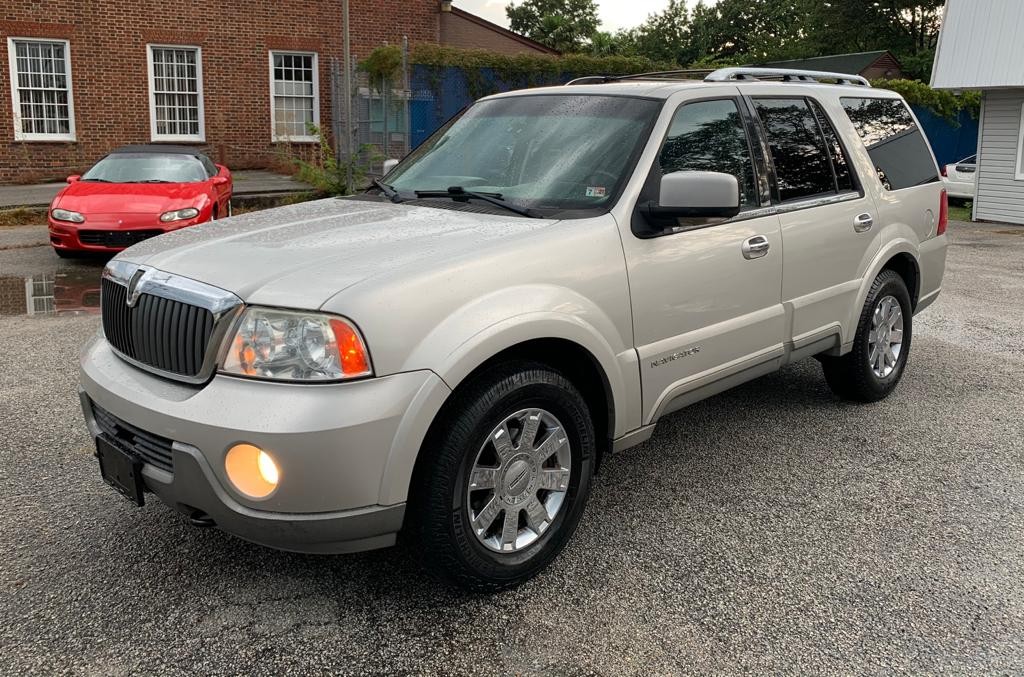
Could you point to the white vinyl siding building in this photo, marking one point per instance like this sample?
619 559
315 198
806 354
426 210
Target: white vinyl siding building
980 47
999 193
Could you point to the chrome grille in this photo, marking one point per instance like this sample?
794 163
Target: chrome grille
163 333
150 448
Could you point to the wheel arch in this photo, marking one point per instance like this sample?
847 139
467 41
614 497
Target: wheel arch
900 256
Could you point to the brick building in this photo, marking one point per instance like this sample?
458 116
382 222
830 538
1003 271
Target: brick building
240 79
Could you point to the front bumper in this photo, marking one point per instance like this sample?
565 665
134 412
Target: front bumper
109 238
335 445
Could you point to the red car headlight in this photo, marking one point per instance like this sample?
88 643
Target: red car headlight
179 215
66 215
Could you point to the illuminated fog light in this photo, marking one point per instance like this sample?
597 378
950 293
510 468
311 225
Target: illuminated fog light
252 470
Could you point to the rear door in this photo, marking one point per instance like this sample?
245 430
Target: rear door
704 306
826 217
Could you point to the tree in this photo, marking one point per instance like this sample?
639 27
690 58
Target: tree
663 36
565 25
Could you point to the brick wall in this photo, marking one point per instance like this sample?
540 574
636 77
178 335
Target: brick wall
460 29
109 74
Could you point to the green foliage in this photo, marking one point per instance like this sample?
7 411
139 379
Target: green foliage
540 66
662 37
383 63
942 103
326 174
565 25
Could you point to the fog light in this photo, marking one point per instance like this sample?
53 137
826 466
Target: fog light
252 470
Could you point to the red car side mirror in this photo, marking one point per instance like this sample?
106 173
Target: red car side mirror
220 180
74 178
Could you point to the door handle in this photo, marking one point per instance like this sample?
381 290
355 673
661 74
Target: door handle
755 247
863 222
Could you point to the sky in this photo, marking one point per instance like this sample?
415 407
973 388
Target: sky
615 14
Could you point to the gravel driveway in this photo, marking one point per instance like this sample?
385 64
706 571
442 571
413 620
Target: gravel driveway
770 529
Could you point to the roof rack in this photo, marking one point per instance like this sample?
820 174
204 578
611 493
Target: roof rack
686 74
784 74
730 74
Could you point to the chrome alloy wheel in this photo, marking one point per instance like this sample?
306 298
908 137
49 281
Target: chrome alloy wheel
885 340
519 480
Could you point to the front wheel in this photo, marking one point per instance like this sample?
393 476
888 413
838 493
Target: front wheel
874 367
505 477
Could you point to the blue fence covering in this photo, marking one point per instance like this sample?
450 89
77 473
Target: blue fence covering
950 142
438 93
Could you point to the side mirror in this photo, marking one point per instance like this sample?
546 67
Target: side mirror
74 178
219 180
703 195
389 165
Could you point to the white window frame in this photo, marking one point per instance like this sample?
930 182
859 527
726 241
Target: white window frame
305 138
188 138
19 134
1018 170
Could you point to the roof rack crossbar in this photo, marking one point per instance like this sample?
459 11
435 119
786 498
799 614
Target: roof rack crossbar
784 74
691 73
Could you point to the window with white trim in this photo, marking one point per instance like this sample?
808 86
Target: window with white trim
294 95
176 93
41 89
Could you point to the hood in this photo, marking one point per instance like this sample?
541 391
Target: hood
88 197
301 255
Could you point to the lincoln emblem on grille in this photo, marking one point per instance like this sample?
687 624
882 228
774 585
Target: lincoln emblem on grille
133 288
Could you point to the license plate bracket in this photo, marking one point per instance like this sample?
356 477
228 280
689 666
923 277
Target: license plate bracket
120 469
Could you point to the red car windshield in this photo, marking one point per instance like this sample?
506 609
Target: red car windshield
147 168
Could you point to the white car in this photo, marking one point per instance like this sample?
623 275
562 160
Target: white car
958 178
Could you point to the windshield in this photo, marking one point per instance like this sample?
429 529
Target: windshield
536 151
147 168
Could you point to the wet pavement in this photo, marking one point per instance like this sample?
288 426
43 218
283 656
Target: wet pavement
35 281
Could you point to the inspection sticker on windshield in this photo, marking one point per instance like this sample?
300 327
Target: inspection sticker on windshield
596 191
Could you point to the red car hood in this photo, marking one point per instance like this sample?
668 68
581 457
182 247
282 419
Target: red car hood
89 197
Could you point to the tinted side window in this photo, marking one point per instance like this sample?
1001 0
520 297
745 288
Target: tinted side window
844 179
896 145
802 166
709 136
209 166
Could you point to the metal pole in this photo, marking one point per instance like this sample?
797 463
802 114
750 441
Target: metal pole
347 45
405 96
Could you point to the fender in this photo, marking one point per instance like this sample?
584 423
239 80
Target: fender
904 241
485 327
488 325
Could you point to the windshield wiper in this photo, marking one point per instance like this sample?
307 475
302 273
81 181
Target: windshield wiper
461 194
155 181
389 192
98 180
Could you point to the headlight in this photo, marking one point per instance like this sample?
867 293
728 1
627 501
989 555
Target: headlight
179 215
65 215
290 345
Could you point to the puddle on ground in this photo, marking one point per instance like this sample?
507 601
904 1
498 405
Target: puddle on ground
69 288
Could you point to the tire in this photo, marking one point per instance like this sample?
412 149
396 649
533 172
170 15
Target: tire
65 254
460 449
856 376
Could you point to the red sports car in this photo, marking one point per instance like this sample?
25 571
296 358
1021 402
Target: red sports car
135 193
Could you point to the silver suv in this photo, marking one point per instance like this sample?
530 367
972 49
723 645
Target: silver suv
451 355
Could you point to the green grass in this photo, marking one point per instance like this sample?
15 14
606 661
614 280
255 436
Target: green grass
960 212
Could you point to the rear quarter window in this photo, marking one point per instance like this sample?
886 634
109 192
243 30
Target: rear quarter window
898 148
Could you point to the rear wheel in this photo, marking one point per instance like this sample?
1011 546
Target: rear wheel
874 367
505 478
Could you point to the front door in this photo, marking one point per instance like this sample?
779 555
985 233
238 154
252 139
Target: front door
706 297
